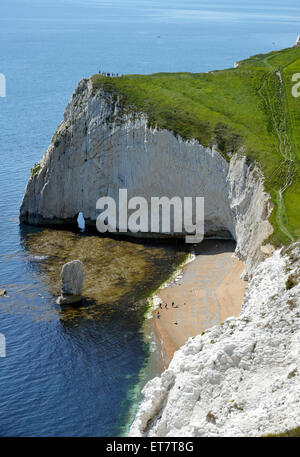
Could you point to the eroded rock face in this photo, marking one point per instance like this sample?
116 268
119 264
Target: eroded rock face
241 378
71 282
250 209
98 150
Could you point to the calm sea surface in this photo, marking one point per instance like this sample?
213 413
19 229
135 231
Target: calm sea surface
77 372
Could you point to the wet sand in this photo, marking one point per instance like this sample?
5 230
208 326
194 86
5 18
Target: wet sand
209 291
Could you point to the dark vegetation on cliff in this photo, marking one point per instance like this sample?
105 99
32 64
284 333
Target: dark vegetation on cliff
249 109
294 433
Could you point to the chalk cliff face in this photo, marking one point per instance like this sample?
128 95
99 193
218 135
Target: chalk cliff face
240 378
98 149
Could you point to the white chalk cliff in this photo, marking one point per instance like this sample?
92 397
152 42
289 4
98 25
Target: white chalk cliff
241 378
98 149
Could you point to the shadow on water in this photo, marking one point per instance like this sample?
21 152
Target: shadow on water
117 271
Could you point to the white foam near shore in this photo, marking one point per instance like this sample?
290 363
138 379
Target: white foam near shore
178 274
154 301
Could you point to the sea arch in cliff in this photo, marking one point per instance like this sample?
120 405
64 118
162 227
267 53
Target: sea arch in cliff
204 135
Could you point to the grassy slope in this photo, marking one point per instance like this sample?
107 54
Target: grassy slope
247 106
293 193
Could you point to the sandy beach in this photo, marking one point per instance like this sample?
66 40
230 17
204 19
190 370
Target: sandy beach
209 291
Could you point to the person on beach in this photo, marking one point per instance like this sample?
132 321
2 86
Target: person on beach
158 315
166 305
173 304
160 305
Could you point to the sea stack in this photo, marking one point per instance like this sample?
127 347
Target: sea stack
298 41
71 283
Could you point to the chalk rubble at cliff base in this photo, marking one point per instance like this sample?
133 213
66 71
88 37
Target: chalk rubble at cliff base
240 378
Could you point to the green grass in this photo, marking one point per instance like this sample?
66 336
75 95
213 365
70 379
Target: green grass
239 109
35 169
293 193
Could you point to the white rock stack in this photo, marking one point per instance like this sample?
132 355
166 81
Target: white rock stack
71 283
298 41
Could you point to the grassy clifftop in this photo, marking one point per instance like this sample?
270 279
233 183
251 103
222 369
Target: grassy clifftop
249 107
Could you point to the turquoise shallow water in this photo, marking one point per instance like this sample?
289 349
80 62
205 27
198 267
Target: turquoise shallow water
75 376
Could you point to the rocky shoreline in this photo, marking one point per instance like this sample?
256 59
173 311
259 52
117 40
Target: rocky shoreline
240 378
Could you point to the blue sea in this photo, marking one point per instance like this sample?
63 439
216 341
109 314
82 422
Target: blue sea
79 373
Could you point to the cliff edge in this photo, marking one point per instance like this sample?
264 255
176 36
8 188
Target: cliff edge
98 149
230 137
